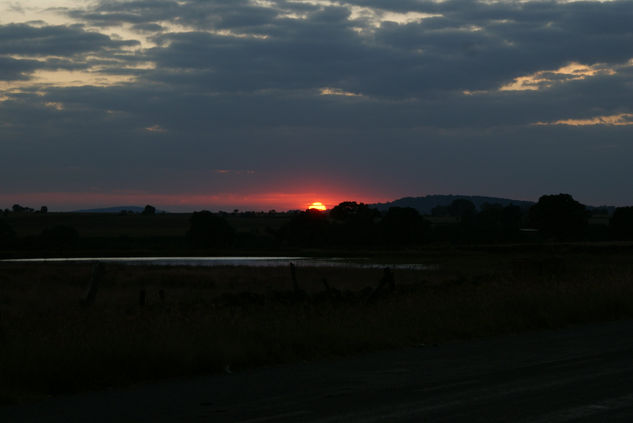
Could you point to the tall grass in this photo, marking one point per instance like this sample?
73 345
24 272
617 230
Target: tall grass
242 317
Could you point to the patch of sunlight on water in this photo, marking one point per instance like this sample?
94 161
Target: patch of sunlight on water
226 261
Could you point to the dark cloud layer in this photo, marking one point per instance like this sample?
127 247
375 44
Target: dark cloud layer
12 69
466 100
53 40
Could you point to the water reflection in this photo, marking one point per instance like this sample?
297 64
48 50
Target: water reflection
227 261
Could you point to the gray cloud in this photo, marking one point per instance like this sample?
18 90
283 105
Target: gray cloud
25 39
238 86
397 60
25 48
12 69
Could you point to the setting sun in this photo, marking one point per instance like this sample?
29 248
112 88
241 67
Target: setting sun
317 205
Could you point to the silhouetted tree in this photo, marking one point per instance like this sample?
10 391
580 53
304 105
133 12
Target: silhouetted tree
7 234
350 211
460 207
559 216
210 230
439 211
403 225
354 223
309 228
496 223
621 223
149 210
43 209
20 209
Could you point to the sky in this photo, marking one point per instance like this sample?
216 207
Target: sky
274 104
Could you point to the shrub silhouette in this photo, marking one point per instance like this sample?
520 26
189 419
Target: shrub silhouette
621 223
149 210
354 223
21 209
559 216
403 225
309 228
495 222
7 234
460 207
351 211
209 230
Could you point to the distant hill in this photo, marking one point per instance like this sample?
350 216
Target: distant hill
425 204
118 209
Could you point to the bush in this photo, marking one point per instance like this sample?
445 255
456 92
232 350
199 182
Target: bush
403 225
7 234
559 216
210 230
149 210
621 223
309 228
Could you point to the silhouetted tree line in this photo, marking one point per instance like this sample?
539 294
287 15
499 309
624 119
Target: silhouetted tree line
210 230
16 208
461 208
55 237
559 216
149 210
356 224
7 235
621 223
349 224
554 217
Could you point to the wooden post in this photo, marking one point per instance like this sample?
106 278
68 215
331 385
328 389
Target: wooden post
293 275
385 286
93 285
326 285
387 279
331 292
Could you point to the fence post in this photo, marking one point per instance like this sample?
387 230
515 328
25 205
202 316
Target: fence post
93 285
293 275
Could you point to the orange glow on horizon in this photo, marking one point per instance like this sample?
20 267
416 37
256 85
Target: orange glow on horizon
263 201
317 205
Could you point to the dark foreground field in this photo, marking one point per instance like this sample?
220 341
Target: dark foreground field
232 318
578 374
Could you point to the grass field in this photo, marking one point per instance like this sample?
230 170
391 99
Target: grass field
110 225
110 234
242 317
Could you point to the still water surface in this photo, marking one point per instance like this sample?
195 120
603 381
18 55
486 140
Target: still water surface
228 261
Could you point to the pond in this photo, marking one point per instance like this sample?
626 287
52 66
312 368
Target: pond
229 261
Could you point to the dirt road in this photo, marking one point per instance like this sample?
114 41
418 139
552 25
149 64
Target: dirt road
578 374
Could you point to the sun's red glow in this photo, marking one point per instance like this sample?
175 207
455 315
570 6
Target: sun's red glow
259 201
317 205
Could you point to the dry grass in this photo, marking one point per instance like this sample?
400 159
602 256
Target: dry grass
241 316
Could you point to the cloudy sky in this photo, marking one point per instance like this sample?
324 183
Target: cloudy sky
262 104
